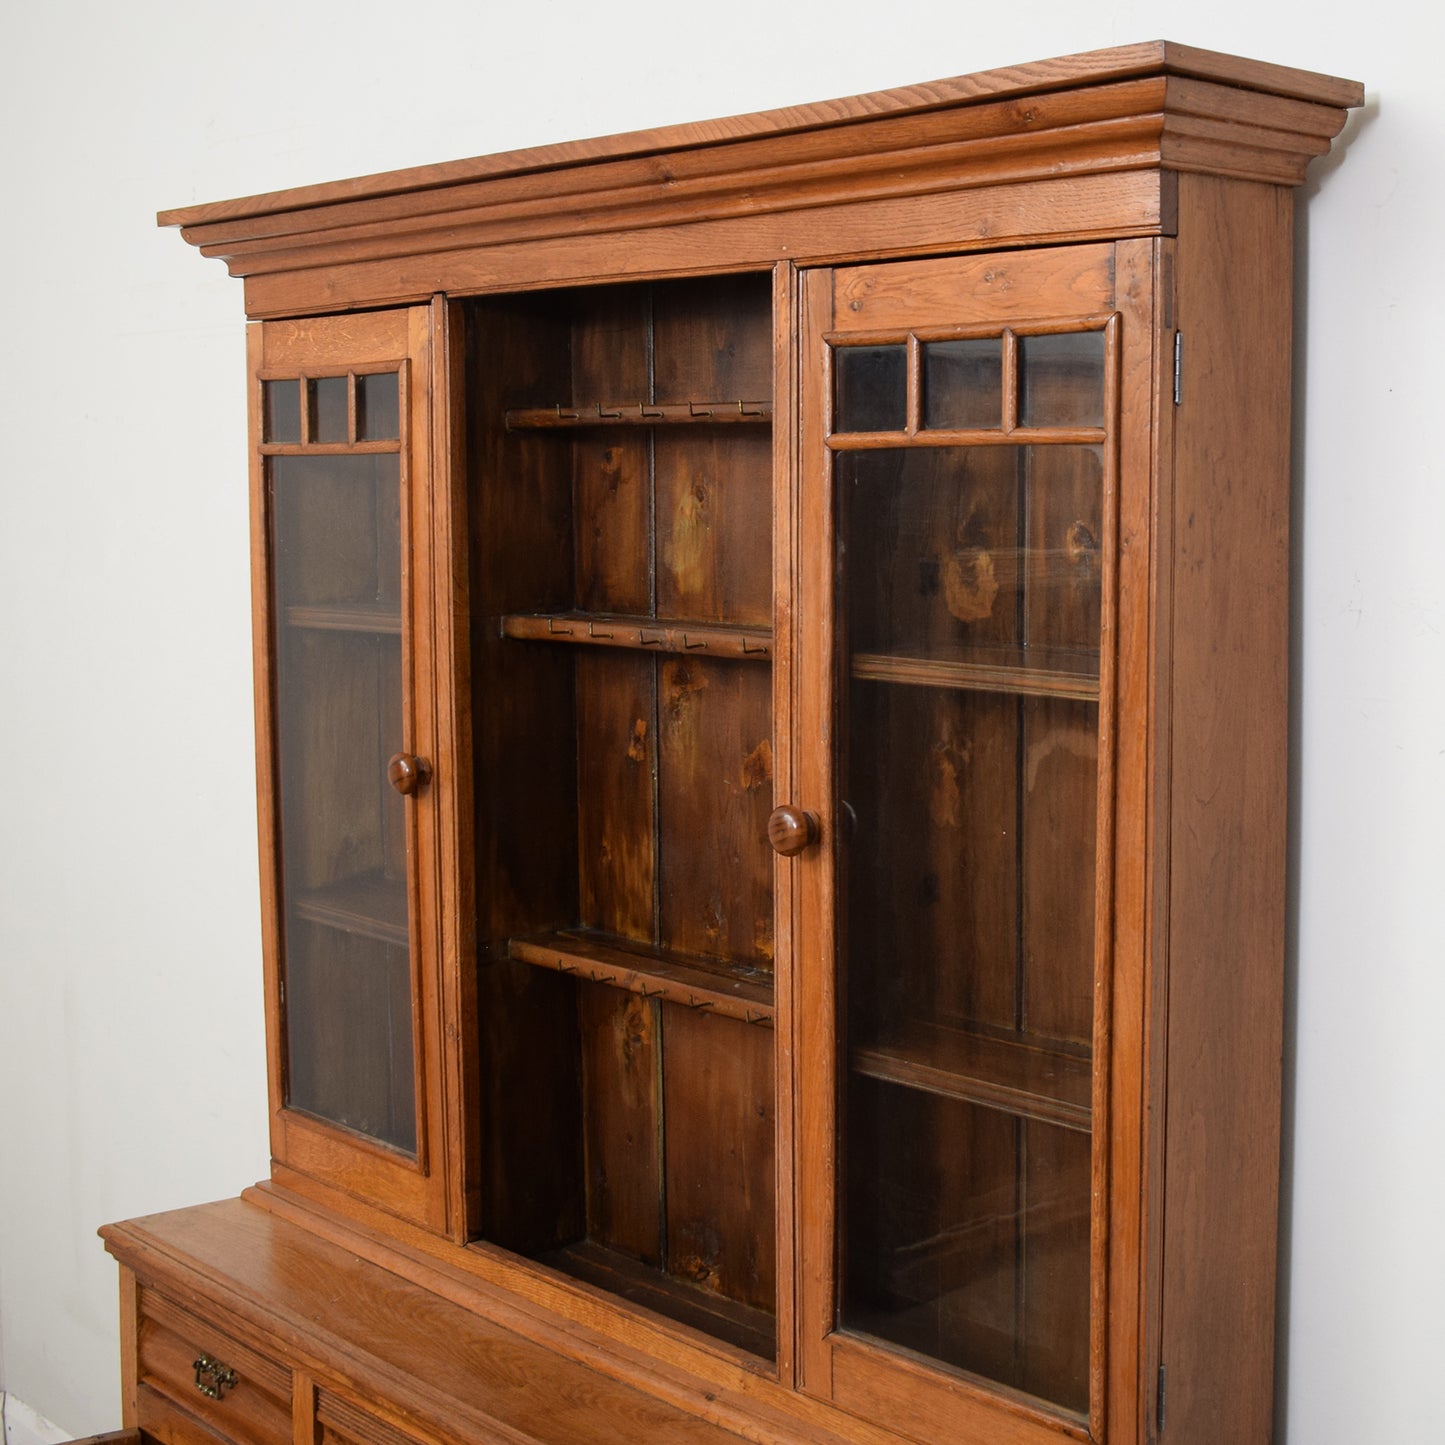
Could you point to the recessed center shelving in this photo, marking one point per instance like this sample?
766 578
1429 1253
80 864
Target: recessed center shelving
658 634
737 991
692 1304
566 416
624 783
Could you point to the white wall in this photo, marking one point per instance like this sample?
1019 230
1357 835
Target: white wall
131 1057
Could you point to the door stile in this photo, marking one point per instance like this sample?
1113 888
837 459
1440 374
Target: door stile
786 749
1104 963
1145 417
417 736
456 1034
817 869
1157 812
265 685
422 691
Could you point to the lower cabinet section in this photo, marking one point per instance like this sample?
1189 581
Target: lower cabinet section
240 1327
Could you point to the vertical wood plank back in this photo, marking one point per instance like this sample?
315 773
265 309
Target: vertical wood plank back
718 1087
613 503
617 753
622 1074
712 344
715 794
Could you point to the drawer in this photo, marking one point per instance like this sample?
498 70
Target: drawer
188 1368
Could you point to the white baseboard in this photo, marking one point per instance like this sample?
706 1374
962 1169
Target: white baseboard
24 1426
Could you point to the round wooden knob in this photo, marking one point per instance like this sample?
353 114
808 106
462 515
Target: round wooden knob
790 830
407 773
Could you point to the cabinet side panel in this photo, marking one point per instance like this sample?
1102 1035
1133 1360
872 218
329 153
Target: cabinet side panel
1228 789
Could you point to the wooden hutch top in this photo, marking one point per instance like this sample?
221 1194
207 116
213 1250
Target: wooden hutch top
1102 131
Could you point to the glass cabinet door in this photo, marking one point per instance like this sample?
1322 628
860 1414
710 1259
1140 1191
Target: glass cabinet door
348 771
963 425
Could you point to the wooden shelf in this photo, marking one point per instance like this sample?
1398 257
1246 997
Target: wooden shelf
369 904
332 617
750 1329
1031 678
646 634
978 1069
566 417
731 990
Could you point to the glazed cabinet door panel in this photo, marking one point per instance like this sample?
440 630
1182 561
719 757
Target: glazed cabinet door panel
962 478
348 786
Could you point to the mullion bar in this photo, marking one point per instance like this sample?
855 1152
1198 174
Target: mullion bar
914 401
1010 388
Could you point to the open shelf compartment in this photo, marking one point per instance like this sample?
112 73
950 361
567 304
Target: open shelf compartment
624 781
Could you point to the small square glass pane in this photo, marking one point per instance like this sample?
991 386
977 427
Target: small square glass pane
963 384
281 407
328 409
1061 379
872 388
378 408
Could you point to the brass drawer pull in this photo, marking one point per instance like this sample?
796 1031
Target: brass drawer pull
213 1378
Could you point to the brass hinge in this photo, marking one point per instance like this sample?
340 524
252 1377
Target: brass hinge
1178 367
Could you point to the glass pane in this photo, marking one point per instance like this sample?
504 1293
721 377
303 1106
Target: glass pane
969 1237
336 580
328 409
1061 379
963 383
378 409
975 554
970 592
872 388
281 403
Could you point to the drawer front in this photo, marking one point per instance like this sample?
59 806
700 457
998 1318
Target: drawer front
234 1392
342 1423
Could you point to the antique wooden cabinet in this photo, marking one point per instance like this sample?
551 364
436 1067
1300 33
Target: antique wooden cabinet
771 649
